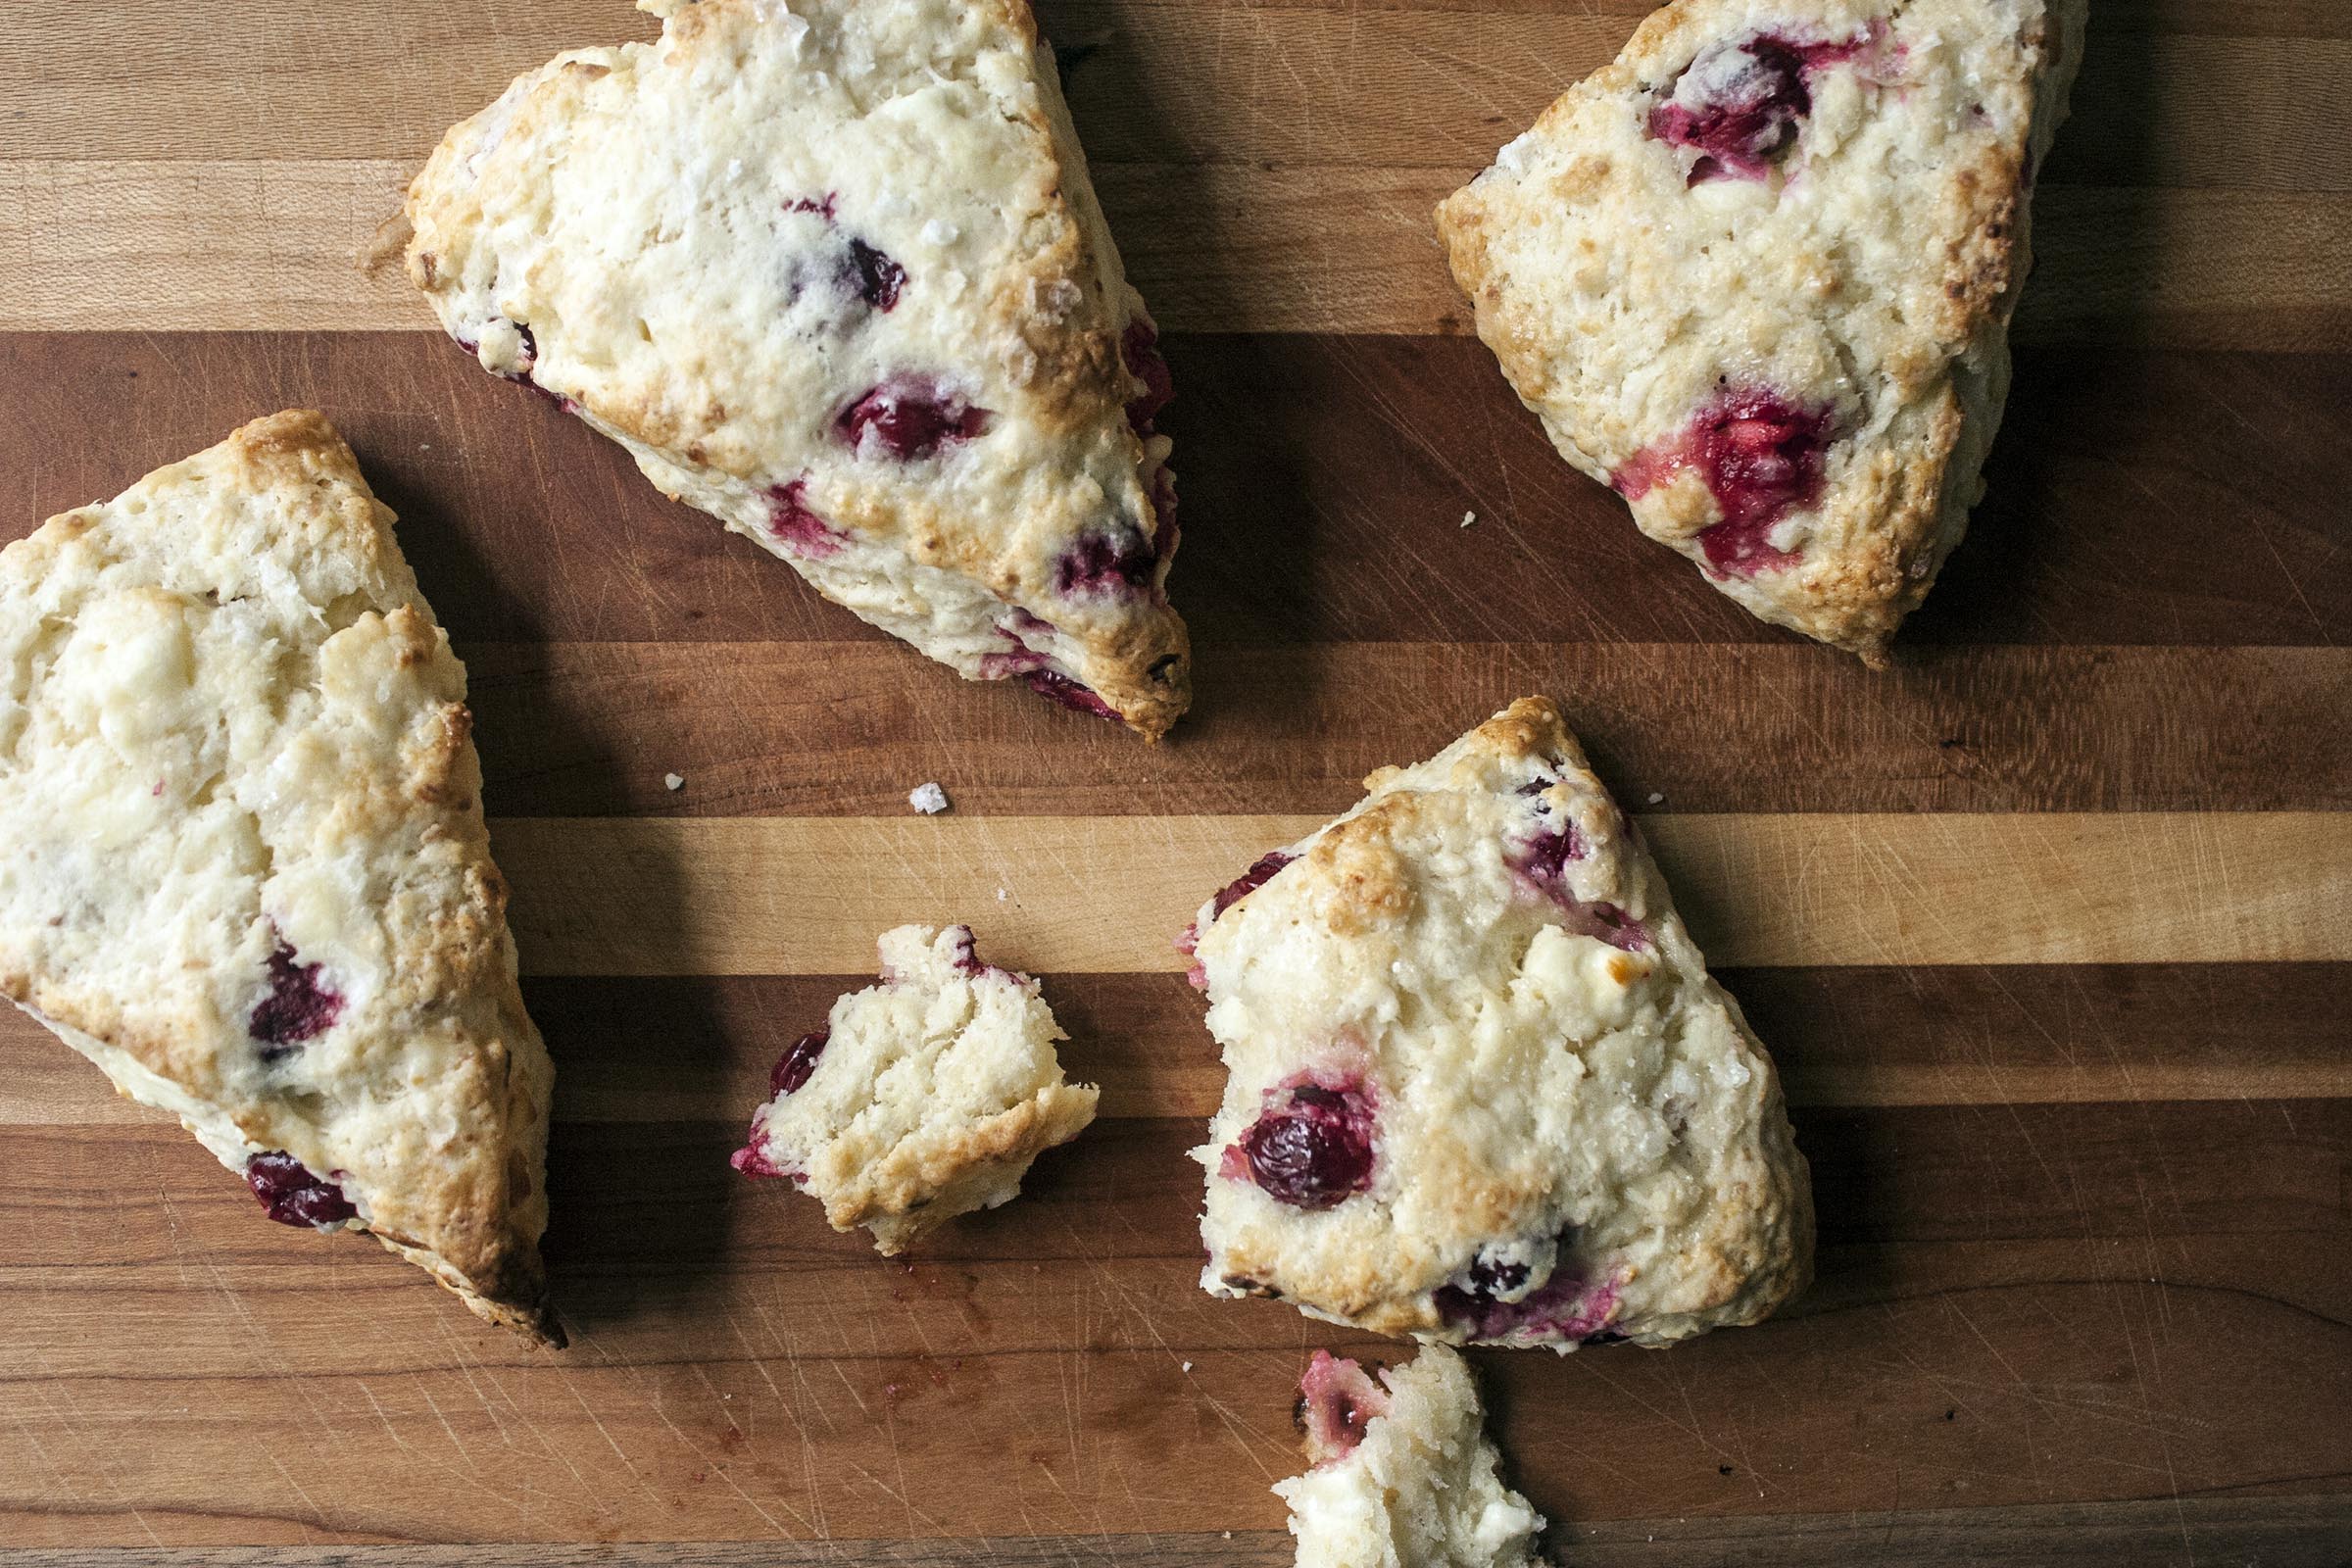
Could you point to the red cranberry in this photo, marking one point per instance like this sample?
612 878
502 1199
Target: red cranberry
909 418
792 1069
1565 1307
1069 693
292 1196
1761 456
1610 924
821 206
753 1159
1336 1400
790 520
1139 349
1756 98
1119 563
877 278
1261 870
297 1008
1312 1149
1543 858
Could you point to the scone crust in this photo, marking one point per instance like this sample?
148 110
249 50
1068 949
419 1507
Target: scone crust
934 1093
1593 1109
636 209
231 726
1421 1489
1878 281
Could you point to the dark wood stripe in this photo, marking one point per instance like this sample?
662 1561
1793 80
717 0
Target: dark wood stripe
1293 450
682 1049
2274 1532
593 729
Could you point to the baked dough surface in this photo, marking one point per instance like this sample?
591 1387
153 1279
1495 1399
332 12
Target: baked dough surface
245 870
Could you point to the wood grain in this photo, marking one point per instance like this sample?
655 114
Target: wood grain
644 895
1324 482
2291 1532
2049 928
2102 1303
592 729
272 244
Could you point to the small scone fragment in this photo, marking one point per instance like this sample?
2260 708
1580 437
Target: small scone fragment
833 271
923 1097
242 861
1481 1087
1757 275
1404 1476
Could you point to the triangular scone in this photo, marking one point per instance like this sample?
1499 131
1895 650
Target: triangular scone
242 861
833 271
1404 1475
1757 276
1480 1085
922 1097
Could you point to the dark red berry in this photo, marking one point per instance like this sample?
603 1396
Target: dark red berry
1261 870
1314 1148
790 520
1069 693
792 1069
909 418
292 1196
1139 348
1754 100
875 277
1761 456
1118 562
1565 1307
297 1008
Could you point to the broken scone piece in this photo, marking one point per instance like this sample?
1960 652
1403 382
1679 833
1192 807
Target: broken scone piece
1757 274
1403 1474
242 861
1481 1086
923 1097
833 271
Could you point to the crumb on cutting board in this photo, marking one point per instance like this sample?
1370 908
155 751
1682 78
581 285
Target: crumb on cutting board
928 799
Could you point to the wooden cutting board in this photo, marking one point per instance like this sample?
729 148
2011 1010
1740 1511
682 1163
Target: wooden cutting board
2049 927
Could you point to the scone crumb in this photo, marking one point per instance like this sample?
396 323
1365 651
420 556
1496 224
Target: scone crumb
928 799
674 782
922 1098
1469 517
1656 799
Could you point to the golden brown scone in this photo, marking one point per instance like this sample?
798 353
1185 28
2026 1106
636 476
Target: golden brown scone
835 275
1481 1086
1757 273
242 861
923 1097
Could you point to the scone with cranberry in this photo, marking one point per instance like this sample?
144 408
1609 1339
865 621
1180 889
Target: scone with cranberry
1404 1474
242 861
1757 275
924 1096
834 274
1481 1086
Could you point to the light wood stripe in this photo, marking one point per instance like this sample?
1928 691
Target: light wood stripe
271 245
1093 895
1305 86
